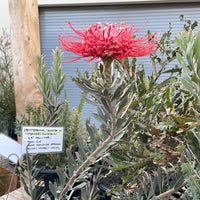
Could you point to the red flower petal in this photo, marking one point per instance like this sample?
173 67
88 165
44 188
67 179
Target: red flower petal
110 40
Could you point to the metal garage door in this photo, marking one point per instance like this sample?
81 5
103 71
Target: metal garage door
158 16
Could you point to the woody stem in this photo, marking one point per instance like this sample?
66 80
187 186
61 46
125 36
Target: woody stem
107 71
113 117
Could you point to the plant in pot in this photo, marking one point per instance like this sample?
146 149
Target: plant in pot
166 132
143 126
138 149
147 128
51 113
163 121
110 92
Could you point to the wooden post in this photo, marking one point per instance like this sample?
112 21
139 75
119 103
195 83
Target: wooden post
24 27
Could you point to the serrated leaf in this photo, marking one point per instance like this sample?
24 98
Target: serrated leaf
167 81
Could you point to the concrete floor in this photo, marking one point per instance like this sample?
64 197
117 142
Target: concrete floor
18 194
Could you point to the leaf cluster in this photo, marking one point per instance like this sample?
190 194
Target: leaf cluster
53 112
164 114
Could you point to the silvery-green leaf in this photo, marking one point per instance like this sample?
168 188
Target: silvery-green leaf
79 186
61 175
81 147
100 119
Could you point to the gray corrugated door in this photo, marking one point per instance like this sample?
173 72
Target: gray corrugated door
158 16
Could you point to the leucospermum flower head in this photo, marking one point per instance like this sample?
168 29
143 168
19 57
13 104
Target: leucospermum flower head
113 41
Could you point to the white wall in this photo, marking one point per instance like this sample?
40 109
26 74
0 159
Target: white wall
4 15
100 2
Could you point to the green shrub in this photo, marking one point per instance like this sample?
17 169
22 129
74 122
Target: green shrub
7 96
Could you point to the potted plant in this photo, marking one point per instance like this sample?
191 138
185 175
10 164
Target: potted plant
144 122
51 113
112 94
149 133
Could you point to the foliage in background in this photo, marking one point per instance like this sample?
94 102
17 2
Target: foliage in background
7 96
166 130
189 59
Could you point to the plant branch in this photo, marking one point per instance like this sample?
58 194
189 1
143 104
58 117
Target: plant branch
171 191
94 153
95 182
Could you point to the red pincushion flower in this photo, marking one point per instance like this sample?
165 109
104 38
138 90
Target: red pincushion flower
109 41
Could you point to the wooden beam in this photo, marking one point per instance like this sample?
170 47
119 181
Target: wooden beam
24 28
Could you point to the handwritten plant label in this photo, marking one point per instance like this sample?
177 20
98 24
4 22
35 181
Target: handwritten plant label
42 139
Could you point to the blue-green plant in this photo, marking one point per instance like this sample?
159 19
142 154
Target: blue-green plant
143 122
149 129
189 59
52 112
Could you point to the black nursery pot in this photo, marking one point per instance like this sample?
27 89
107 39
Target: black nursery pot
103 194
50 175
46 175
111 181
104 191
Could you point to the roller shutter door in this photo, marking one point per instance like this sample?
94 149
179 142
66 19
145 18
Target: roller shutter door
158 16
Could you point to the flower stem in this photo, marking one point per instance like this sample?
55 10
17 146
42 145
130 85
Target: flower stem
107 71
